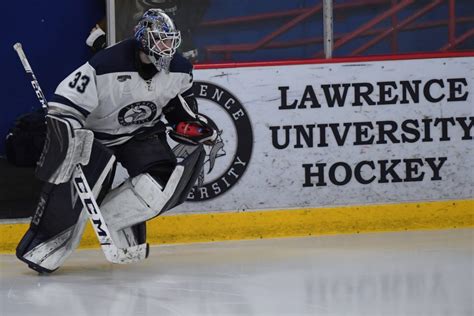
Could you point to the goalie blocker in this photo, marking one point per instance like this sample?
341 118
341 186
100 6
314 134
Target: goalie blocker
66 145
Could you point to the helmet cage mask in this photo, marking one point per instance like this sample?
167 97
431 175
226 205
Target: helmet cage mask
163 44
158 37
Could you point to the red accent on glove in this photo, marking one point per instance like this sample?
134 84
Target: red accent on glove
189 129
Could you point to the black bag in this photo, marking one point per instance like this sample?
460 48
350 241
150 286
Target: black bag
25 140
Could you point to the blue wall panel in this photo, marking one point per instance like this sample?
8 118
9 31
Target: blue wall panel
53 35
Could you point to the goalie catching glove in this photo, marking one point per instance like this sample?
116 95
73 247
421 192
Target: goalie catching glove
200 131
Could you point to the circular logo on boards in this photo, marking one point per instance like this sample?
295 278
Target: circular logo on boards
137 113
227 160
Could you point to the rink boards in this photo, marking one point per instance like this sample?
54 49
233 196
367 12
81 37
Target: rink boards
169 229
312 148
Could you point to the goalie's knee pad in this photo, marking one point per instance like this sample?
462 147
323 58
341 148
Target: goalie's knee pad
141 198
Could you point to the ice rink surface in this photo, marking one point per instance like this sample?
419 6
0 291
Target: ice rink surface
407 273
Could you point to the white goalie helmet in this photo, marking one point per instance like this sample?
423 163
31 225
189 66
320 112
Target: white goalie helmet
158 37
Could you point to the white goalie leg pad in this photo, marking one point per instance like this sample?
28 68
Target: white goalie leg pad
52 253
137 200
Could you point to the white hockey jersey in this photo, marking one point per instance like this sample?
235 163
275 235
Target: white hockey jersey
108 95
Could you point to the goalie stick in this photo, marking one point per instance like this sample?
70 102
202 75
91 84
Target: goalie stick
111 252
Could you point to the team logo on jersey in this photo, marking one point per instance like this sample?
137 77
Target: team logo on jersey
227 160
137 113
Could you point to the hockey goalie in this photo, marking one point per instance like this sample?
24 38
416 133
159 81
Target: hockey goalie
118 107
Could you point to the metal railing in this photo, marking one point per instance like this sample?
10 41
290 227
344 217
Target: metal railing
368 29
